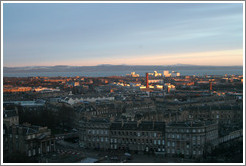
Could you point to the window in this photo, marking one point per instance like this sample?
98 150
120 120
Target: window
159 142
168 143
173 144
163 142
155 142
194 152
138 134
154 134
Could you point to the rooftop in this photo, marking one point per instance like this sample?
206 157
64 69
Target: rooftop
143 126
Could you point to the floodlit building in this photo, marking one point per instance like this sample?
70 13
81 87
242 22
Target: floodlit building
166 73
133 74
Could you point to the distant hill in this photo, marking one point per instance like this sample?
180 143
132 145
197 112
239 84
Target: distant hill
108 67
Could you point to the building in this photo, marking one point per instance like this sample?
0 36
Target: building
190 139
166 73
175 74
77 99
25 139
156 74
94 134
37 105
138 136
133 74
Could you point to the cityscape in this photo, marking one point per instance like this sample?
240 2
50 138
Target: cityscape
64 103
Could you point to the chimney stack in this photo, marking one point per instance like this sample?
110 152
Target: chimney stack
147 80
210 86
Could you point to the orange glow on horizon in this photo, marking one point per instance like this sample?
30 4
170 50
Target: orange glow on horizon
213 58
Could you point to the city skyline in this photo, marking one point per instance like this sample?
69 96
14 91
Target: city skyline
84 34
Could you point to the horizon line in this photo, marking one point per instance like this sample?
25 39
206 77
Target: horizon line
121 65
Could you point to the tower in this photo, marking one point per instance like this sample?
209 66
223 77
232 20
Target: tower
210 86
147 80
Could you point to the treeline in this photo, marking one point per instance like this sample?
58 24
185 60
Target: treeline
57 121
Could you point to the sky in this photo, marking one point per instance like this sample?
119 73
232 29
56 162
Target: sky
82 34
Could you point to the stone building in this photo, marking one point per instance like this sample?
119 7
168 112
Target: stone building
94 133
25 138
138 136
190 139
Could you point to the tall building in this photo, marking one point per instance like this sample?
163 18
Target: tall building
166 73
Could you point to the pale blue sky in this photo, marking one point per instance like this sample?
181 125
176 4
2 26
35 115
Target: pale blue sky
148 34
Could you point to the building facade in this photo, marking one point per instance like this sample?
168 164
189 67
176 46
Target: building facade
190 139
25 138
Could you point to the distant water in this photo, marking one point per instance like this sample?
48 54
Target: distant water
121 73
